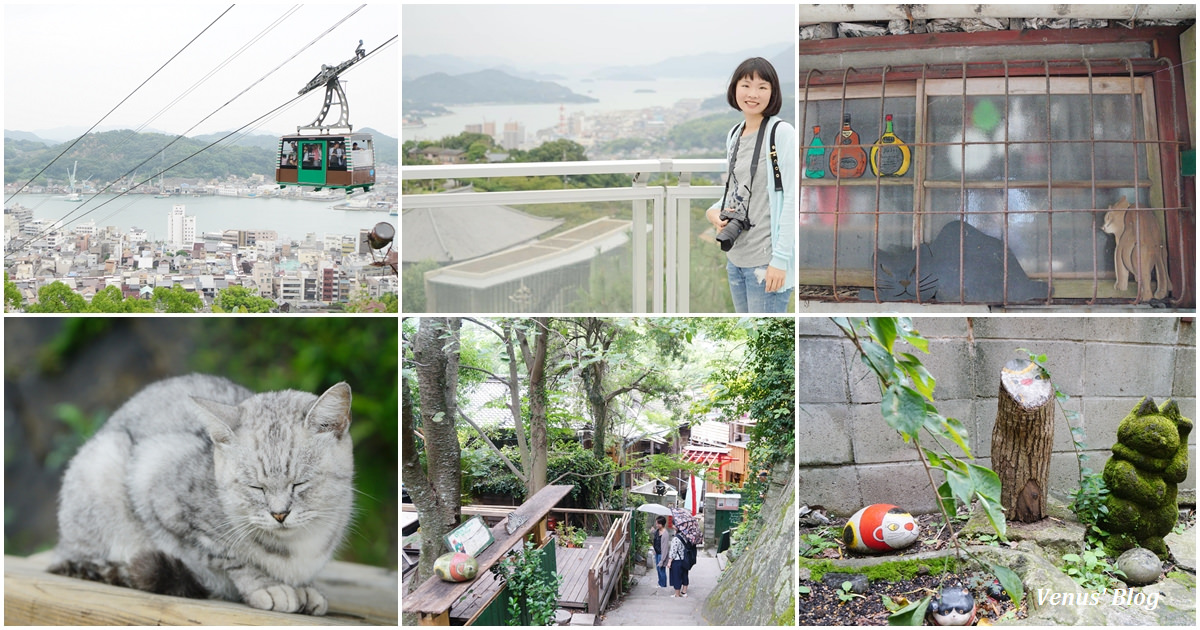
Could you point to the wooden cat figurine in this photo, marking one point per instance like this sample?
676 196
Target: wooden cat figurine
1140 249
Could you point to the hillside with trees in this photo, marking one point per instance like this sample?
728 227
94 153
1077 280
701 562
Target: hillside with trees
107 156
484 86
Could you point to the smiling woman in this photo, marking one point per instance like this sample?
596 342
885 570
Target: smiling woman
760 261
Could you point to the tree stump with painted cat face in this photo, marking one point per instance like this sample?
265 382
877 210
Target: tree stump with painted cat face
1022 440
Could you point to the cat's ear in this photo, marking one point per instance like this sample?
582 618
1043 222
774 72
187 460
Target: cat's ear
219 419
331 412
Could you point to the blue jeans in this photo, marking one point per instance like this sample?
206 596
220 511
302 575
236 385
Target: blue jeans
749 288
662 571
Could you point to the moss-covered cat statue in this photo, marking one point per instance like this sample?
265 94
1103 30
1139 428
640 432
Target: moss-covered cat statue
1149 460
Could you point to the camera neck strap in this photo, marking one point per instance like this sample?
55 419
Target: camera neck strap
762 129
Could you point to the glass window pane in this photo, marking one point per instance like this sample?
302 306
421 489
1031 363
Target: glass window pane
847 214
864 120
1029 226
977 151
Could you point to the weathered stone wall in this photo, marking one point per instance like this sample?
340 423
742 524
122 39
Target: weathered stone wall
850 458
758 589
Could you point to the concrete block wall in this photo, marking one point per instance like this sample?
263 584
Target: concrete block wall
850 458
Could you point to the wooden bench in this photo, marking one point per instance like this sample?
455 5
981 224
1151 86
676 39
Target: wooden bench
434 599
358 595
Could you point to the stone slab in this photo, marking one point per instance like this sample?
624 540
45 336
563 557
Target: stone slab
1185 372
834 487
1111 369
942 327
817 327
822 370
1031 329
1183 548
822 435
1139 330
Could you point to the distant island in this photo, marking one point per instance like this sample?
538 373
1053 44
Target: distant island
483 87
643 91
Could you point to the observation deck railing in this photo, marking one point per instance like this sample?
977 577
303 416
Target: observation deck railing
564 272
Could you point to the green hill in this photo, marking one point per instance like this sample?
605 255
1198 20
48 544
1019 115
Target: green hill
485 86
108 156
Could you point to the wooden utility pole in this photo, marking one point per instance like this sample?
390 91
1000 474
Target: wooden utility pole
1022 440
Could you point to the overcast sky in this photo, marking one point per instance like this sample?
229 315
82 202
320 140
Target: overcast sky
547 37
66 66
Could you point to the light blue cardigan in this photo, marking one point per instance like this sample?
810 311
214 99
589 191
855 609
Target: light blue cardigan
783 203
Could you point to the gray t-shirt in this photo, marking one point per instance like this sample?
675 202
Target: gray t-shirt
753 247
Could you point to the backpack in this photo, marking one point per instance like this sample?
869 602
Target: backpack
689 552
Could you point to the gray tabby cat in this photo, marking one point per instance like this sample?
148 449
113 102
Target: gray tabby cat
198 487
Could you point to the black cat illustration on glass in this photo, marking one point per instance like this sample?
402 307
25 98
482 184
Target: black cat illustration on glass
982 280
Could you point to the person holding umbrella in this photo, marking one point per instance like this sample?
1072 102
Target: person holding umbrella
661 534
682 554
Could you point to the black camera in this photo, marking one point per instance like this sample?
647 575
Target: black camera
738 222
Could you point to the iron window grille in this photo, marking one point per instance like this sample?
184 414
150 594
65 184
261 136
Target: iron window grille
1031 154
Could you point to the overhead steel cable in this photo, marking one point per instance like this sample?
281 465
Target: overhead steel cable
135 90
228 60
184 135
194 154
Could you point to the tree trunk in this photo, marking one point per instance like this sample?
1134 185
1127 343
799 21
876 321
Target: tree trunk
593 385
535 363
435 487
1022 440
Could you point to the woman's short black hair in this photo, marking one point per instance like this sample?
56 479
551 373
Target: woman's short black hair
662 520
765 71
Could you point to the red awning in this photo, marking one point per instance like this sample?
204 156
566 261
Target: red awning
712 457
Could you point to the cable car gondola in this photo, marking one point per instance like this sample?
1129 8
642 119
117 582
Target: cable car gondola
328 156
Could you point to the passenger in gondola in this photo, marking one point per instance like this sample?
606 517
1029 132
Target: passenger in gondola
337 155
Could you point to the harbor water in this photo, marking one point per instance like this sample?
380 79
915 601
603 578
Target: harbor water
292 219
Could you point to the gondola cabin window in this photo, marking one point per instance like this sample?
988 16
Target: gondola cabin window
978 189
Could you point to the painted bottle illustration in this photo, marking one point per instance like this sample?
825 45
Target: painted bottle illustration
847 157
890 157
814 165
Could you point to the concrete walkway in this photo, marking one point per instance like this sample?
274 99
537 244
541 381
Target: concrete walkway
641 606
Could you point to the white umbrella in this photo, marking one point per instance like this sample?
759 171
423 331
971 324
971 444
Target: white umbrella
655 508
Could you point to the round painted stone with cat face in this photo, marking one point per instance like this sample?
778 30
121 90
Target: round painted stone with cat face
456 567
880 527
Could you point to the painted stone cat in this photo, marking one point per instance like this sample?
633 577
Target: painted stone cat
197 487
982 281
1149 461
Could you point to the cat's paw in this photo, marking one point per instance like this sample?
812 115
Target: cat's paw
279 597
314 603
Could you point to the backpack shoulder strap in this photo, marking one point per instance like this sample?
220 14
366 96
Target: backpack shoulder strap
775 159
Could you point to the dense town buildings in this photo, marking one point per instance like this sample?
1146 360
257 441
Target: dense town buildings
313 274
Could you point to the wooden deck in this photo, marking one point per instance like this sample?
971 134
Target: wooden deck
573 565
358 595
